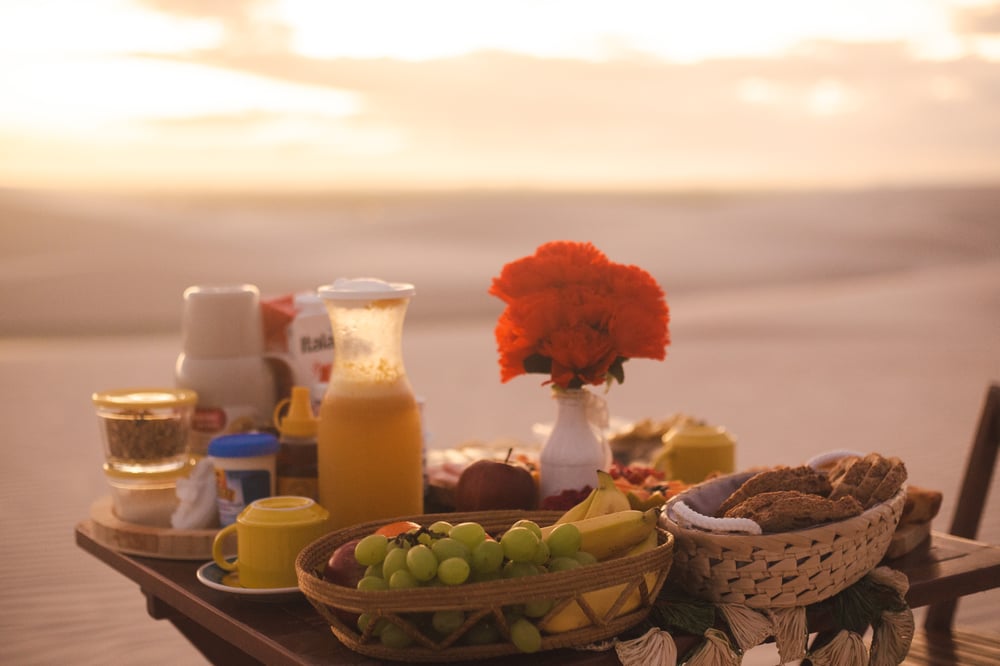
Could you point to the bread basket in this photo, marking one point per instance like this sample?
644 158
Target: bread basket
776 570
639 577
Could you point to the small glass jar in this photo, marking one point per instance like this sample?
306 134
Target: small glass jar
145 499
145 430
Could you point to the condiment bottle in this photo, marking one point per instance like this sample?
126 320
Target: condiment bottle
370 435
222 359
245 470
310 341
297 473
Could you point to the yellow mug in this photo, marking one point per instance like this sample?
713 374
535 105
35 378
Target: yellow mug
693 451
270 534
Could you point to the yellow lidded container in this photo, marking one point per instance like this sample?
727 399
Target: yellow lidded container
692 451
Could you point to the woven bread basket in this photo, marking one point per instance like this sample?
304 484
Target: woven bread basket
777 570
640 576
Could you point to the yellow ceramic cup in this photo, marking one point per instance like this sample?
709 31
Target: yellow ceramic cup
270 534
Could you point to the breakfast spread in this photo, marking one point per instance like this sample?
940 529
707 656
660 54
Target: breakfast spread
564 560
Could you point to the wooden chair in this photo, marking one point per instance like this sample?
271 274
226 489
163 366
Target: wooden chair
940 643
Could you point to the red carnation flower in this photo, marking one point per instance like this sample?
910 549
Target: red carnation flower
576 316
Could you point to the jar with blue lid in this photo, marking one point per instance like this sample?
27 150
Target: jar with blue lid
245 470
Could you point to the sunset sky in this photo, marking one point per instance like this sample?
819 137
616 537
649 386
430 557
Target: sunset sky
551 93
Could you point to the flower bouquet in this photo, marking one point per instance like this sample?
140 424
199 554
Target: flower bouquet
577 317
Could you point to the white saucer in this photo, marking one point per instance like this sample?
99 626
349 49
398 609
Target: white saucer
217 578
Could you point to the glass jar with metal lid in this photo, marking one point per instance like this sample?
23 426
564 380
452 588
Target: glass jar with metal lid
145 430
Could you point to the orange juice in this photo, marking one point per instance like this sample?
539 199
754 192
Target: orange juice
370 450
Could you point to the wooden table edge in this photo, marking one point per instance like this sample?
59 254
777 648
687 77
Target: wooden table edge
968 567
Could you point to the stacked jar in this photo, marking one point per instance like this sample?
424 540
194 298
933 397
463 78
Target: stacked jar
146 437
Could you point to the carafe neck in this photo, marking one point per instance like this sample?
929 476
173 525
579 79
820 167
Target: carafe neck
368 339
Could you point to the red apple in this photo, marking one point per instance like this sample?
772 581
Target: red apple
488 485
342 568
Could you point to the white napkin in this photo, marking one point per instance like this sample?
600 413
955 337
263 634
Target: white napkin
198 508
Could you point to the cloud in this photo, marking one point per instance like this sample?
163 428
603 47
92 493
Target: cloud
979 20
229 11
826 113
248 27
867 109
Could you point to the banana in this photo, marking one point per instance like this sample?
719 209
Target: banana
579 511
612 534
608 497
572 616
605 498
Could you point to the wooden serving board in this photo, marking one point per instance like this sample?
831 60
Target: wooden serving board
163 542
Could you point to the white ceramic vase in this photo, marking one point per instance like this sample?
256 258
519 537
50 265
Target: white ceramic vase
576 447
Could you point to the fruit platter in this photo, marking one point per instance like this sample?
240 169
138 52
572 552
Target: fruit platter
458 586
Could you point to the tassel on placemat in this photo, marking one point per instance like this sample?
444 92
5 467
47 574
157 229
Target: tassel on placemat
656 647
889 577
891 638
748 626
715 651
846 649
790 632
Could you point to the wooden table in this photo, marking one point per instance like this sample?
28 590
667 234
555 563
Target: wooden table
237 630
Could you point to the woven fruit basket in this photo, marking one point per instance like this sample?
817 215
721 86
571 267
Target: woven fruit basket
776 570
636 580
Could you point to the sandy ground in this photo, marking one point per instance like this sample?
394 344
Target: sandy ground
804 323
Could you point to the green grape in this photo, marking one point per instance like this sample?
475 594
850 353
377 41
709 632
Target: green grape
422 563
481 633
393 636
394 560
402 580
447 621
448 547
487 557
563 564
524 635
519 544
538 607
471 534
441 527
520 569
371 549
584 558
365 618
374 570
564 540
511 613
531 525
404 540
425 539
453 571
486 576
541 553
372 583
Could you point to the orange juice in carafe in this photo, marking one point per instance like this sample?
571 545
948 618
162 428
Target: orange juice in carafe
370 439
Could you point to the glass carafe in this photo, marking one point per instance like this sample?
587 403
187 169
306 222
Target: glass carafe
370 439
